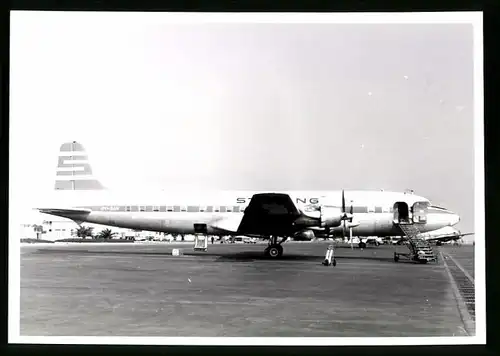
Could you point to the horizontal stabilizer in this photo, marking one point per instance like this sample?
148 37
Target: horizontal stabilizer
64 212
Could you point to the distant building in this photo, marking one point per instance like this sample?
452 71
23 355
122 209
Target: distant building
27 231
50 230
54 230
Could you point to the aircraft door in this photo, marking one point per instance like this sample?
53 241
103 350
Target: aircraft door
401 213
396 214
420 212
200 229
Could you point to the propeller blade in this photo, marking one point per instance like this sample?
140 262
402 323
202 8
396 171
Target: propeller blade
343 201
350 237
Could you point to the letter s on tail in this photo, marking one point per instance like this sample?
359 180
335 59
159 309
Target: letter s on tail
73 169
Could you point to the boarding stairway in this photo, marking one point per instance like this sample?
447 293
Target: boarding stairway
420 249
200 242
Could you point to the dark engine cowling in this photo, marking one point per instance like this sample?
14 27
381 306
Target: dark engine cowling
330 216
305 235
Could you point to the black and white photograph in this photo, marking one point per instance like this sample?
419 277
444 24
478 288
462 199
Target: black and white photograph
246 178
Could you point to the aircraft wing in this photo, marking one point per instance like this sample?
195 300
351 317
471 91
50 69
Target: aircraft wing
228 224
269 214
448 237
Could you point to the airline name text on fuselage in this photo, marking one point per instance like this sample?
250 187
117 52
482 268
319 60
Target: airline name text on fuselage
297 200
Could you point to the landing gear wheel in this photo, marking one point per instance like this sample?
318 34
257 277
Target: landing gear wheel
396 258
362 245
334 262
274 251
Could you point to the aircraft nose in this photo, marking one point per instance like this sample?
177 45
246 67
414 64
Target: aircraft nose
454 219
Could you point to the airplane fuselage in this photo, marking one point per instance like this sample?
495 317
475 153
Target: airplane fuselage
375 212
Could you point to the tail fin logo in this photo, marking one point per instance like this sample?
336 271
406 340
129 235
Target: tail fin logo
73 169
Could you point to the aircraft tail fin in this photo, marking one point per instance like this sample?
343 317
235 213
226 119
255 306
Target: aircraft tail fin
74 171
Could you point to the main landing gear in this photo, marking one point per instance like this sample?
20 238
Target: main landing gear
274 250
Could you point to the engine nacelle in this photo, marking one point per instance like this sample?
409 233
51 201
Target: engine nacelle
330 216
304 235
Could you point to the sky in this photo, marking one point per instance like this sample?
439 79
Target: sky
276 106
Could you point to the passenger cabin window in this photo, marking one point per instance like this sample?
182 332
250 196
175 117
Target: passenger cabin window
170 208
229 209
371 209
128 208
216 209
142 208
386 209
203 209
156 208
183 209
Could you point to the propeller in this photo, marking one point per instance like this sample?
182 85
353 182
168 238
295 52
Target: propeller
347 217
350 237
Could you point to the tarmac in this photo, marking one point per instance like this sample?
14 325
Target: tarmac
233 290
460 268
463 255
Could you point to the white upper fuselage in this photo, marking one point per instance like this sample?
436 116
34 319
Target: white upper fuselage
222 212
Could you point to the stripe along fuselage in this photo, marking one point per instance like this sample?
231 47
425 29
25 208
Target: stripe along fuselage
376 212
